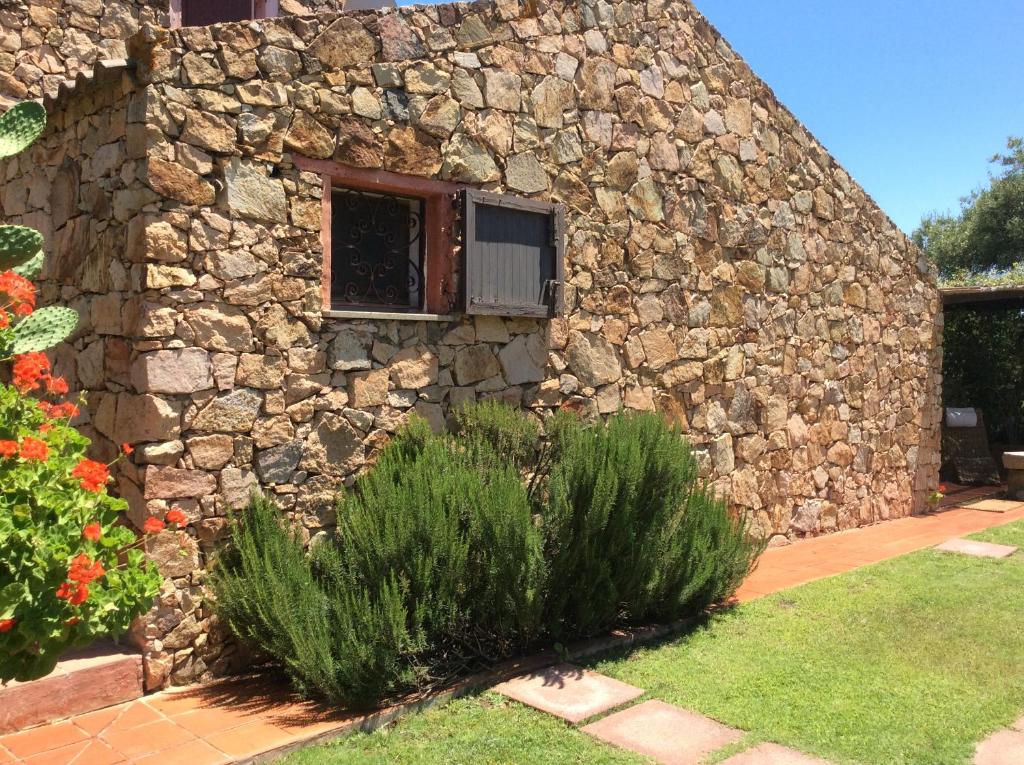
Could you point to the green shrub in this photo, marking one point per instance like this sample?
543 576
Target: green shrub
459 541
454 551
627 514
330 639
435 566
493 428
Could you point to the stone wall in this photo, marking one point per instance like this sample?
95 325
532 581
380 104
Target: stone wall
80 185
721 268
44 42
75 185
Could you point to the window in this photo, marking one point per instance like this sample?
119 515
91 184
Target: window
387 239
377 248
199 13
514 251
390 245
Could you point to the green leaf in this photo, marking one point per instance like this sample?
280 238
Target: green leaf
11 597
18 244
19 126
44 329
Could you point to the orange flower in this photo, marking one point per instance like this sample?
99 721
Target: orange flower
20 293
5 320
127 448
153 526
56 385
176 516
34 449
29 369
942 488
8 449
56 411
73 594
92 475
92 532
6 625
84 570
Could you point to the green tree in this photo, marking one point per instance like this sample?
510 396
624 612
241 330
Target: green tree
983 245
988 233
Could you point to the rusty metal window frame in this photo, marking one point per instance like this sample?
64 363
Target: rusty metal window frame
439 258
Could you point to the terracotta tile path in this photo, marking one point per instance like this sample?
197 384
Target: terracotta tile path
234 721
783 567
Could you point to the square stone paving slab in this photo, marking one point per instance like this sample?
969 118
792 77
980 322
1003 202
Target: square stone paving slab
994 505
773 754
663 732
569 692
1003 748
977 549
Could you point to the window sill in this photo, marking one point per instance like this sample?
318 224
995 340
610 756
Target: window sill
387 316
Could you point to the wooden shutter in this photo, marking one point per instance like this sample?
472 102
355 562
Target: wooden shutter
513 255
199 13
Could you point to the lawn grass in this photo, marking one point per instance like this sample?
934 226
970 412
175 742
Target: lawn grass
1010 534
911 661
907 662
484 730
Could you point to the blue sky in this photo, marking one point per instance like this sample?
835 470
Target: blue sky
911 96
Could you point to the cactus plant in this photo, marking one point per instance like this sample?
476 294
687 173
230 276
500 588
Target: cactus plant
18 244
21 247
20 126
31 268
44 329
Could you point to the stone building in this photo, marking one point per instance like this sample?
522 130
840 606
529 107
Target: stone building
264 227
44 42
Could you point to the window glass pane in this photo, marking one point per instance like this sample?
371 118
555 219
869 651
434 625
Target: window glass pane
376 250
199 13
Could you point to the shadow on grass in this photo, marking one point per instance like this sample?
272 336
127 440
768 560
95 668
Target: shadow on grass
268 694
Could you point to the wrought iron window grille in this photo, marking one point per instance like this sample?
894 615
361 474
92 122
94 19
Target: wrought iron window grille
377 250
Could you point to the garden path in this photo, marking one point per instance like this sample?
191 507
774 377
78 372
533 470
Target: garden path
237 720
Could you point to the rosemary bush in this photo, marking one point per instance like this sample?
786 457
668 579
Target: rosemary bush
627 516
435 568
456 551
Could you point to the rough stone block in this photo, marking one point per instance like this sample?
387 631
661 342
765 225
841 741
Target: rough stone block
146 418
184 370
368 388
173 483
665 733
977 549
569 692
